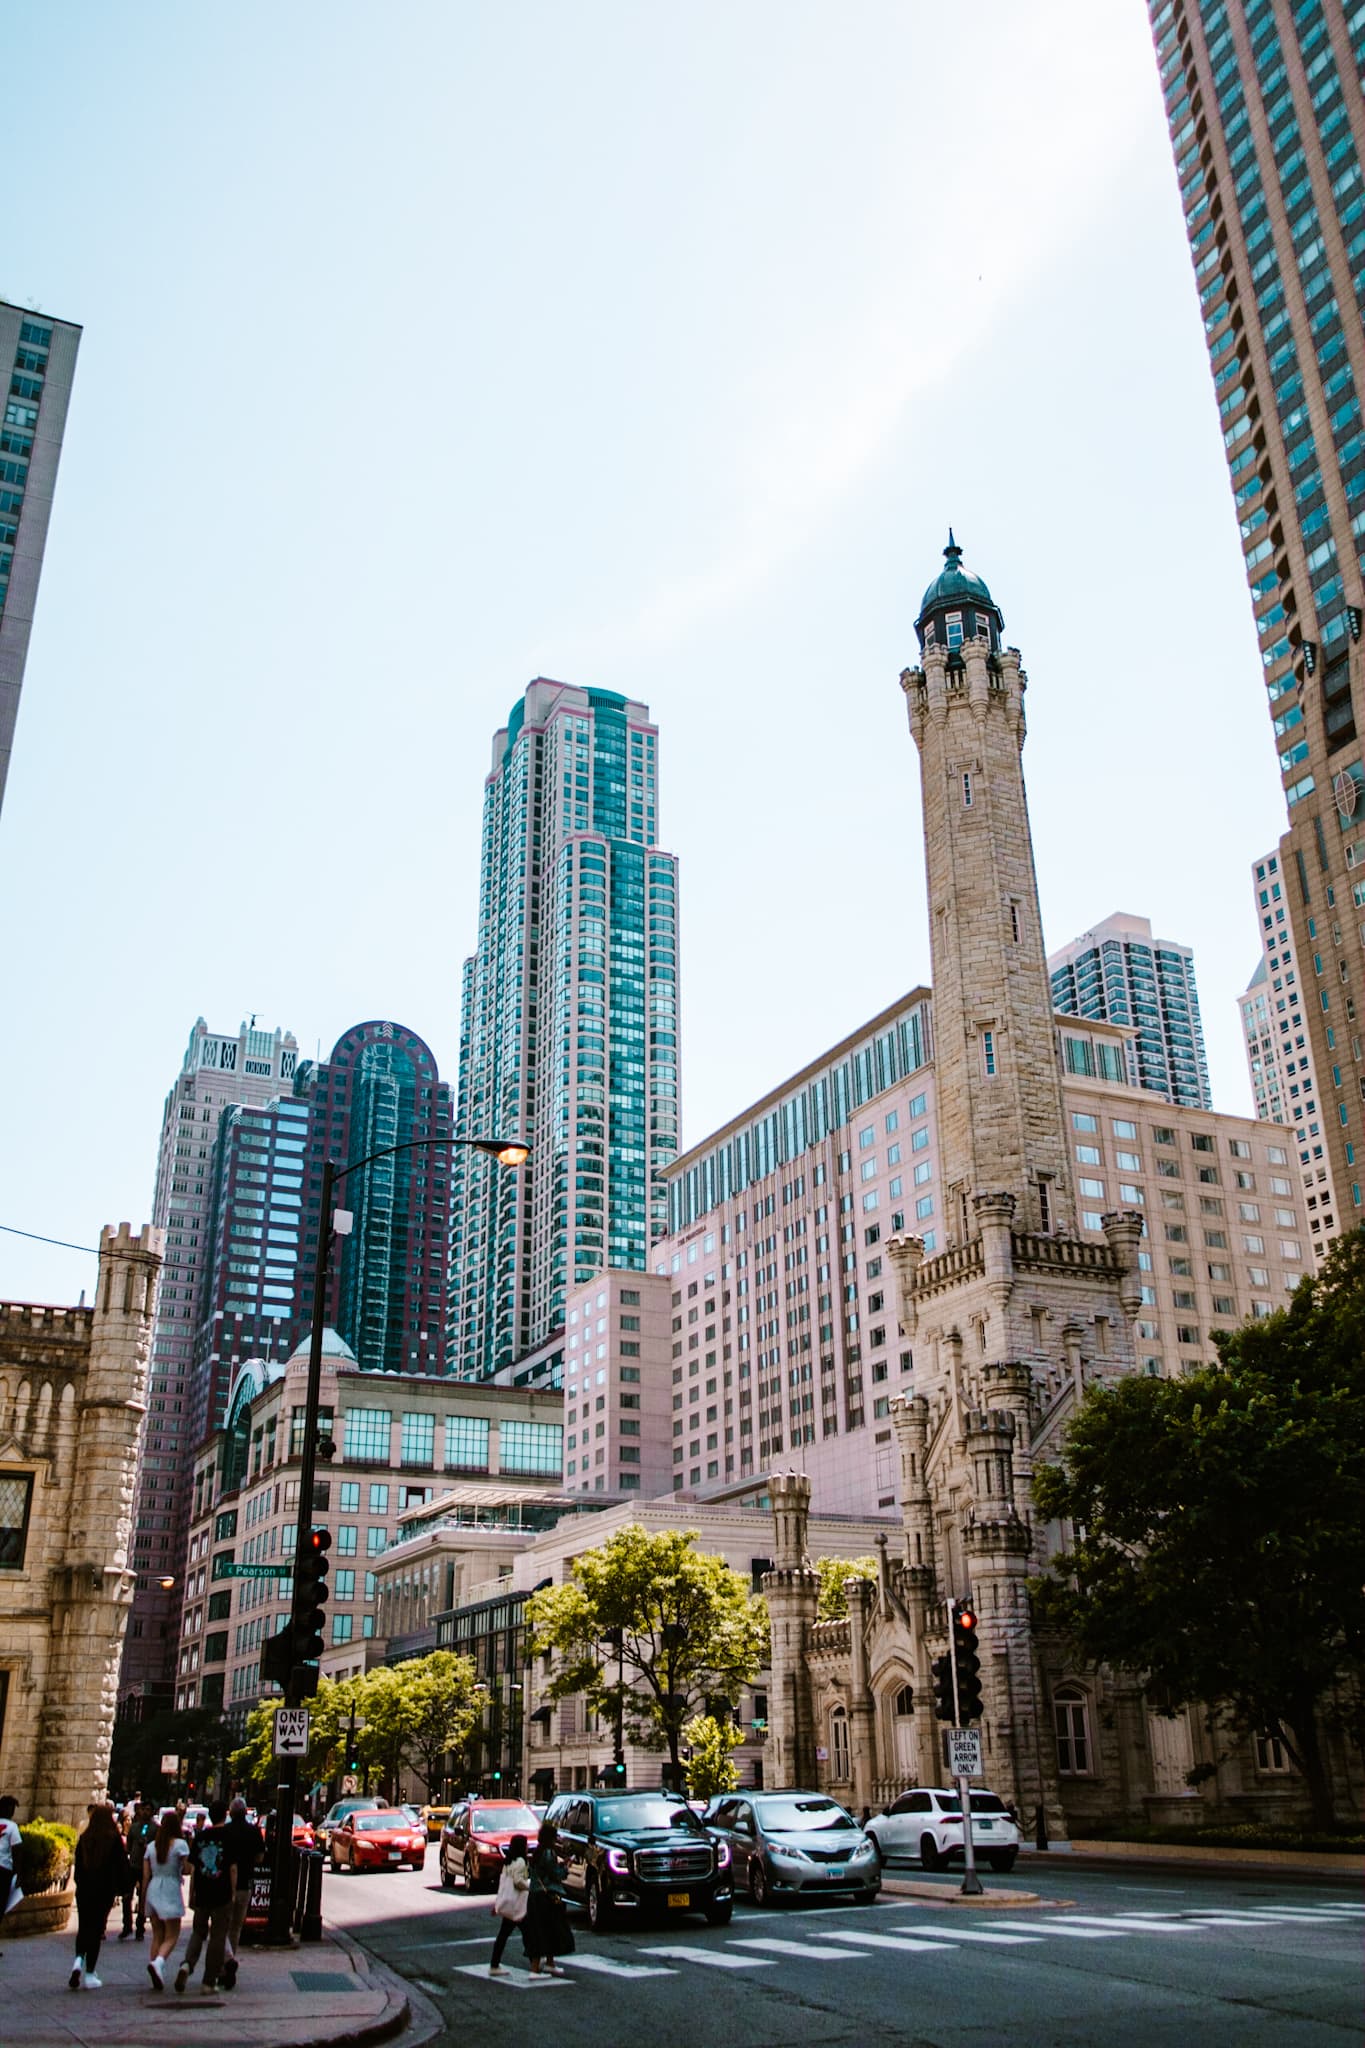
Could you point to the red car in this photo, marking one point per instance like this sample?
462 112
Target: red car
303 1836
473 1839
377 1841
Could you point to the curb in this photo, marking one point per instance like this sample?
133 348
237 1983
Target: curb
389 2024
941 1895
1211 1863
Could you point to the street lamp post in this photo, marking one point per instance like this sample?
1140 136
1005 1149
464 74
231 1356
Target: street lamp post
507 1152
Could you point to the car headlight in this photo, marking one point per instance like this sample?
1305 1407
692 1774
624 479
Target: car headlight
785 1855
722 1855
618 1862
864 1849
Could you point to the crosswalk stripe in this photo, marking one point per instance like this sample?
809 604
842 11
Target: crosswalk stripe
1308 1913
807 1950
1129 1923
907 1944
1081 1933
991 1935
511 1979
714 1959
605 1967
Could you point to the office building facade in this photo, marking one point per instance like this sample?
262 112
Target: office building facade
39 356
569 1024
1264 108
220 1070
1119 973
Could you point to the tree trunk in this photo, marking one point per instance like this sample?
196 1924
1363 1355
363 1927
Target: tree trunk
1312 1763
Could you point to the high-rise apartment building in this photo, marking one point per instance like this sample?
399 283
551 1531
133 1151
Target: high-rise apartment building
219 1070
1279 1056
1119 973
569 1026
39 354
1264 107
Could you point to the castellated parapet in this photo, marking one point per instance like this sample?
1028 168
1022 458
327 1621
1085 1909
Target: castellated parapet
73 1388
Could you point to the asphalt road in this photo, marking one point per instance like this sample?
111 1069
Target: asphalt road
1109 1959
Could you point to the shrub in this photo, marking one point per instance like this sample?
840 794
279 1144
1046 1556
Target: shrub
49 1851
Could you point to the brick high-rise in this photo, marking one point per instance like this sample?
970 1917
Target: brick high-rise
1264 107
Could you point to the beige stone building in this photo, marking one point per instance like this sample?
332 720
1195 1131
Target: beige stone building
73 1386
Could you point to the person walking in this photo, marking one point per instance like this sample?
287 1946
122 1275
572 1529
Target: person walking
246 1847
141 1828
101 1875
163 1898
212 1884
11 1852
514 1887
545 1932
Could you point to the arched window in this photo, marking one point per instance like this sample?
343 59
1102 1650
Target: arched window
1070 1721
838 1743
905 1700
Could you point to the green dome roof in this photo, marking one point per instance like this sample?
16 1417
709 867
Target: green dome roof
953 586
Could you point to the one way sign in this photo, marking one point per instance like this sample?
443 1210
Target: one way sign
291 1731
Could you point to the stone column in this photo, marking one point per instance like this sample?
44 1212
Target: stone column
791 1590
91 1588
862 1718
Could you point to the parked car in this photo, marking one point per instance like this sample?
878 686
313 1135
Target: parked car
476 1834
927 1822
337 1813
434 1819
196 1817
785 1845
381 1840
640 1852
304 1835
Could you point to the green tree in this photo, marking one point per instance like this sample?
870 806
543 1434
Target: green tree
197 1735
833 1602
414 1713
1217 1538
328 1712
711 1768
689 1629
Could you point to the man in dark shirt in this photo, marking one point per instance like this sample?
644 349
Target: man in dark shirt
212 1883
245 1850
141 1828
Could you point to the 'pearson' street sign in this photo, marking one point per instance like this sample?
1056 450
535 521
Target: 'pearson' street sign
254 1571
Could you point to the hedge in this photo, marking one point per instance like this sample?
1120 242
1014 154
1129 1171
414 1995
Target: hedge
49 1851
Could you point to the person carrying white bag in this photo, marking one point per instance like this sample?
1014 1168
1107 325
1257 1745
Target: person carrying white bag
514 1888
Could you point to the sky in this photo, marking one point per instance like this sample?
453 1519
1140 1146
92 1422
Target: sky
654 350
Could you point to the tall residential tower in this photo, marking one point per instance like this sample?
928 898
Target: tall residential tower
1264 107
39 357
1120 973
569 1021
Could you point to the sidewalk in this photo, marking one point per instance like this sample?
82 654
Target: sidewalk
329 1993
1288 1863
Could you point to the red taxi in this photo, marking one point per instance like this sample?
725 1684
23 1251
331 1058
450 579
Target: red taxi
377 1841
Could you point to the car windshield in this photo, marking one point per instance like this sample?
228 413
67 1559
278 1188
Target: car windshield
648 1810
506 1820
373 1823
801 1816
982 1802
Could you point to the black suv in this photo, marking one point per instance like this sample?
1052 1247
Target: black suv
640 1851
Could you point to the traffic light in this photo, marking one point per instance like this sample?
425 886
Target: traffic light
614 1777
310 1596
967 1656
277 1657
943 1689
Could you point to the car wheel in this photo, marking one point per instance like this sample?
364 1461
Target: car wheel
336 1867
1003 1859
720 1916
866 1898
759 1890
471 1874
447 1877
928 1853
881 1853
599 1908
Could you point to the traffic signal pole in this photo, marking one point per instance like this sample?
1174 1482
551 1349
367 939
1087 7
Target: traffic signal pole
971 1887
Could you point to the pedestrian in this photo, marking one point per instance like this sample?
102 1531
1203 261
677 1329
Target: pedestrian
11 1857
141 1828
545 1932
163 1866
212 1884
245 1850
865 1816
514 1886
101 1877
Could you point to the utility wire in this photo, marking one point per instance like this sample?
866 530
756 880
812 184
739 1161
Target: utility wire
63 1242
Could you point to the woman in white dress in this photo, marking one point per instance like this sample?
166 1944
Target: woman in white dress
163 1895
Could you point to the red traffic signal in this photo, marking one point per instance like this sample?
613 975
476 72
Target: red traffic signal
965 1619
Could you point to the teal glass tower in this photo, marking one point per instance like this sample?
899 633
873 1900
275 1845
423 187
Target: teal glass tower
569 1022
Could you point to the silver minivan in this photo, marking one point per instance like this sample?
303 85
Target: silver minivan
788 1845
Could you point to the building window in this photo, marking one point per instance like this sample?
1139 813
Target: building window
376 1542
466 1443
16 1499
1271 1754
367 1436
531 1447
966 789
838 1744
342 1626
1072 1732
419 1439
379 1497
988 1052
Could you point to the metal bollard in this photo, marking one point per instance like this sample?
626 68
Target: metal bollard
310 1895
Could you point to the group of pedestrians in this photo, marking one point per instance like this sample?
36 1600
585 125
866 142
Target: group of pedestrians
147 1868
531 1896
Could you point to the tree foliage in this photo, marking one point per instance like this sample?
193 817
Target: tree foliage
407 1716
199 1736
711 1767
833 1601
689 1629
1217 1529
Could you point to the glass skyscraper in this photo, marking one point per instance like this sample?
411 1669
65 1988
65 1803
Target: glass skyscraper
1120 973
569 1022
1263 101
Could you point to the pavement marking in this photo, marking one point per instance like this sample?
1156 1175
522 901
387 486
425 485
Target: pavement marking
905 1943
714 1959
1133 1923
807 1951
605 1967
511 1979
1309 1913
1081 1933
976 1934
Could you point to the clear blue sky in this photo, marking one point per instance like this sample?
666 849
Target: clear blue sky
432 348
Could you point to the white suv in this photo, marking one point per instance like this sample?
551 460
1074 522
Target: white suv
927 1823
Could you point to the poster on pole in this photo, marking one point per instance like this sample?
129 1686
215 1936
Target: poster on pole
170 1765
964 1752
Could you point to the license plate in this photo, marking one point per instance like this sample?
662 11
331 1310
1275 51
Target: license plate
395 1855
983 1826
836 1870
680 1898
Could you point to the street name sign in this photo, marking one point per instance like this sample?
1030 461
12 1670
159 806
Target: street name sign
964 1752
291 1732
254 1571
